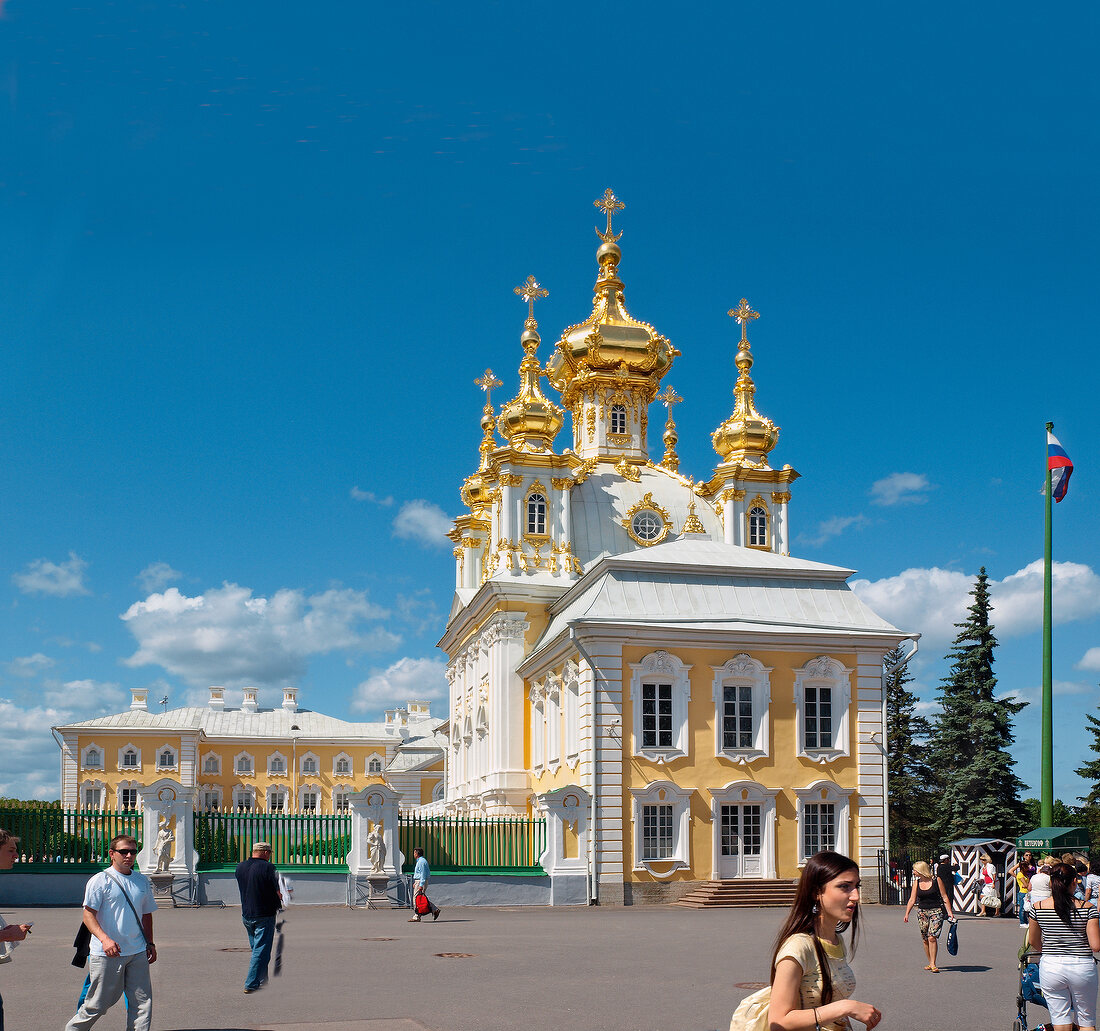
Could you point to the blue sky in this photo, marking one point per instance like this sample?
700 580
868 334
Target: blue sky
252 258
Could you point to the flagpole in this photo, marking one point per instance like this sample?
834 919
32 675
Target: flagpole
1046 793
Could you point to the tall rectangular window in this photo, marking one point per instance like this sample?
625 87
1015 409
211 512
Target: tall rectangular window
340 801
127 798
656 715
92 797
737 717
818 718
657 840
309 801
818 828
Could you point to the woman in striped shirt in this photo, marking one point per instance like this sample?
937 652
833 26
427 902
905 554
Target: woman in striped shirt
1068 933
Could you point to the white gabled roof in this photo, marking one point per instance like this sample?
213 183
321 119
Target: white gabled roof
700 584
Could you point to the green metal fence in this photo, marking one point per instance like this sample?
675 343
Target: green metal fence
66 840
492 844
302 840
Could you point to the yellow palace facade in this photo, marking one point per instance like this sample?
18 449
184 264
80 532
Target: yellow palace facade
249 758
641 644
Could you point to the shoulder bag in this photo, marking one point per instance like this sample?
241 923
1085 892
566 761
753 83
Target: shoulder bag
752 1011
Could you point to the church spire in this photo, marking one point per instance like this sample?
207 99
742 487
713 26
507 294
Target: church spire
530 422
746 436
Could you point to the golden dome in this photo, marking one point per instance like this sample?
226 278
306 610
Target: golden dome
610 338
530 421
746 436
477 489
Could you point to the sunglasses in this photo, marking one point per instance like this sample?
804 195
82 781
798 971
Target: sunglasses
127 851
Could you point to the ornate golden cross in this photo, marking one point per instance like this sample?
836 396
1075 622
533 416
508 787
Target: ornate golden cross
531 292
669 398
608 204
487 383
744 314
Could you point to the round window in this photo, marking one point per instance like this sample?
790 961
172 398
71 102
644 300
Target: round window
647 525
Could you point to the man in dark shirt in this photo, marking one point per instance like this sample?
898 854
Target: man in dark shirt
258 881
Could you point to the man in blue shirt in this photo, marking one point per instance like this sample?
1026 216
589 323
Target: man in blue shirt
260 901
421 875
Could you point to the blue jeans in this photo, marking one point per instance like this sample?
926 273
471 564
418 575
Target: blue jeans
261 936
1021 906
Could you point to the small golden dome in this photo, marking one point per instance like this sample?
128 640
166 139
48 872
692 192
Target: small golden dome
746 436
530 421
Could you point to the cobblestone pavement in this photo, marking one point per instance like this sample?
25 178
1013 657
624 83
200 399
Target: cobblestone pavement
641 968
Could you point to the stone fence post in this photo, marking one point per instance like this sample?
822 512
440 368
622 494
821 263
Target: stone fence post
375 853
565 859
168 837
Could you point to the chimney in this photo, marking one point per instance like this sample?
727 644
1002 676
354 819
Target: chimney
420 710
290 699
250 704
140 699
217 698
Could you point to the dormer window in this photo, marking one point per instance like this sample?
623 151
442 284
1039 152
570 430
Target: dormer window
618 418
536 514
758 527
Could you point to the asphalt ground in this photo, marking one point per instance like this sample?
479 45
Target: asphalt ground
639 968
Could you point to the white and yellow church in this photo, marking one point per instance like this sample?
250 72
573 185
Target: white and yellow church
640 645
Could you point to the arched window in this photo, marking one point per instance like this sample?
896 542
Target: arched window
618 418
343 765
244 764
758 527
536 514
309 764
375 765
92 759
211 764
130 758
166 760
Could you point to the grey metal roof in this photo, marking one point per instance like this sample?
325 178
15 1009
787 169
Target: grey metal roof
236 723
708 585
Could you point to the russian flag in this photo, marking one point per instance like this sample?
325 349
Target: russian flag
1059 466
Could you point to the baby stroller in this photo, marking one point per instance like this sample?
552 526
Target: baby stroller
1029 991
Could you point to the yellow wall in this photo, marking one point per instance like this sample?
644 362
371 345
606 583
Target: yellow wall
701 769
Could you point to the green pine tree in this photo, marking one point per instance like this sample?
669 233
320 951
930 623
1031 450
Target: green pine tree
910 779
978 790
1088 815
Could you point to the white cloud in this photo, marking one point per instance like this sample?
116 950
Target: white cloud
227 636
831 528
932 601
406 680
1090 660
424 522
45 577
157 575
900 489
369 495
29 665
95 697
30 767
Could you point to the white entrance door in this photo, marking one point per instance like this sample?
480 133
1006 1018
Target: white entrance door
741 852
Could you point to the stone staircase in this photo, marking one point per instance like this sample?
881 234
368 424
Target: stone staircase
740 894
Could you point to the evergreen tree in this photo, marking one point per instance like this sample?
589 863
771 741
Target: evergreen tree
1089 813
978 790
910 779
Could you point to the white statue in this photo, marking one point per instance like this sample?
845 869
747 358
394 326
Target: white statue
163 846
376 849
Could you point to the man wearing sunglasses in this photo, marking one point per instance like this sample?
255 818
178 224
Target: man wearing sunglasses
118 910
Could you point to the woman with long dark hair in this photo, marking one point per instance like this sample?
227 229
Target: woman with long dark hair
1068 933
811 982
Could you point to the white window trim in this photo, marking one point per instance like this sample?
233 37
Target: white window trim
216 772
553 723
349 772
252 765
316 771
284 772
314 789
337 791
84 757
175 757
95 785
744 792
381 758
744 671
129 785
439 792
824 671
214 789
660 665
664 792
244 791
571 708
280 791
129 769
824 791
538 729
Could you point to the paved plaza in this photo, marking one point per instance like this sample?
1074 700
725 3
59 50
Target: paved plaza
642 968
